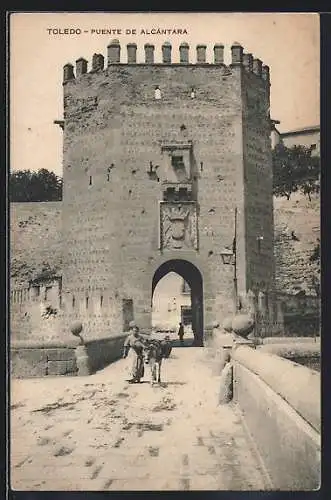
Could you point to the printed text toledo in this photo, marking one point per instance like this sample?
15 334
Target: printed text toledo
117 31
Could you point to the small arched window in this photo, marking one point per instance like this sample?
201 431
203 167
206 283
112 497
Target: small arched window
157 93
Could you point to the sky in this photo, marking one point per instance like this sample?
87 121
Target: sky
288 43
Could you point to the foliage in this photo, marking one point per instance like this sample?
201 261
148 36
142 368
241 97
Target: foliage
315 256
43 185
315 265
47 273
295 169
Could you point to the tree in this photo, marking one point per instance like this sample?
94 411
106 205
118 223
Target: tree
315 255
315 268
309 182
43 185
293 169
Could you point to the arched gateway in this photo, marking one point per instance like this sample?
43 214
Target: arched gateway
152 185
192 276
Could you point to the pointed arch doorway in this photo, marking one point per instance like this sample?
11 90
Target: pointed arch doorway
193 277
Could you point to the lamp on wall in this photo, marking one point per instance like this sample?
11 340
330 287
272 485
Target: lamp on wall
230 257
227 256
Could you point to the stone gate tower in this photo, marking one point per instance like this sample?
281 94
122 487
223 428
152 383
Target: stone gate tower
157 158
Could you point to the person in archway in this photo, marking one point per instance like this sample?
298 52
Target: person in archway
134 346
181 333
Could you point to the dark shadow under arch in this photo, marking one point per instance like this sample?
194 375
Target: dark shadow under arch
191 274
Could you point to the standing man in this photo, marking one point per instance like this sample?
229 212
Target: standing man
134 346
181 333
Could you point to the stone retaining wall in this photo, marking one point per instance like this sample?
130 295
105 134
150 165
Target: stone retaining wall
306 353
30 359
33 359
102 352
280 403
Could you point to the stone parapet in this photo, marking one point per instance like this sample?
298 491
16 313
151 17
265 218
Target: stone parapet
280 405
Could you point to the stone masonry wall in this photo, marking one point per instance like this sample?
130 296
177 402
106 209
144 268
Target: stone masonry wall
35 240
292 266
297 231
112 120
258 184
113 127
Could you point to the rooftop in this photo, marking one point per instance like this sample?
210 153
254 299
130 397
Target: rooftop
303 130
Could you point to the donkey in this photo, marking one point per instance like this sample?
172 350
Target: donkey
154 352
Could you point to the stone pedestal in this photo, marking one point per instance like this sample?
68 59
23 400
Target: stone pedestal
226 385
82 361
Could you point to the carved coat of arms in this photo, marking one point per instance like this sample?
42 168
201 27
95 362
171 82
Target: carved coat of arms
178 226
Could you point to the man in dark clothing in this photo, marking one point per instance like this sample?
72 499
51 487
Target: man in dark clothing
181 333
166 346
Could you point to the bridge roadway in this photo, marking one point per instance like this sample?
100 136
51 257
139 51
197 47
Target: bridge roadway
101 433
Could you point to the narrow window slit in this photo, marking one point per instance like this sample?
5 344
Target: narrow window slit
157 93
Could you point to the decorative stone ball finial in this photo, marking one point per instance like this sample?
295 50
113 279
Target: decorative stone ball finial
76 329
243 325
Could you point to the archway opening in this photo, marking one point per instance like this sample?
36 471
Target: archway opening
177 296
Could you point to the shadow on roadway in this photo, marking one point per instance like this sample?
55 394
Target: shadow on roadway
186 343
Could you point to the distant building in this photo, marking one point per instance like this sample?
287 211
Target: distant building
170 304
307 136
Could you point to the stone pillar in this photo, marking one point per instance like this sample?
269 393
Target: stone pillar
68 72
266 73
257 67
271 318
201 53
280 317
82 361
184 53
132 53
166 53
236 53
81 66
225 356
262 312
226 384
219 53
251 302
149 53
98 62
114 52
248 62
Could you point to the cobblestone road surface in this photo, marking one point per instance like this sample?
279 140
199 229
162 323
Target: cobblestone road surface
101 433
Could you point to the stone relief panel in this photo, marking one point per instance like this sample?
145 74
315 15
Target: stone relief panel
178 226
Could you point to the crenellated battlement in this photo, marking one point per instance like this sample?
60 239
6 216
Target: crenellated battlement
115 56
